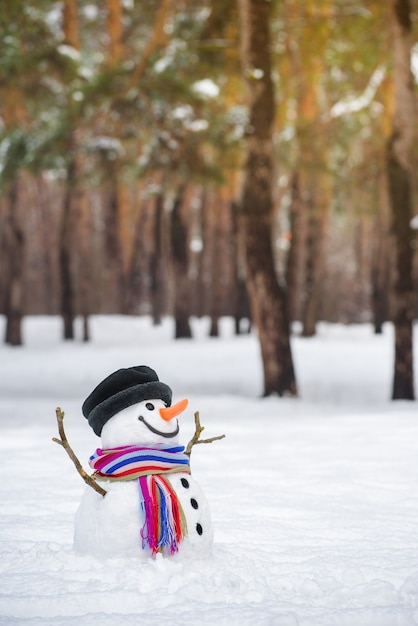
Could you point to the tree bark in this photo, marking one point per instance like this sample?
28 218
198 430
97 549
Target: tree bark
180 257
220 260
158 263
267 298
240 302
111 185
136 289
316 227
306 56
381 260
74 220
15 244
83 249
215 302
14 116
114 28
70 12
67 305
399 169
113 259
294 257
203 261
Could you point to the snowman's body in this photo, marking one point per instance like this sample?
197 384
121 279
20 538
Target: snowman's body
113 525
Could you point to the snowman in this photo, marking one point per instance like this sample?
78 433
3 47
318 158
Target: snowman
152 504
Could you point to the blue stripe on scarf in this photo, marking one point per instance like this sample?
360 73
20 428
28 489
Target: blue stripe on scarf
165 535
131 455
146 457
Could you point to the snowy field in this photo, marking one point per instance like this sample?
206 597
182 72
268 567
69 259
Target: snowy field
314 500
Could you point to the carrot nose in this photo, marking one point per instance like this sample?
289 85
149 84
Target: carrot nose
171 411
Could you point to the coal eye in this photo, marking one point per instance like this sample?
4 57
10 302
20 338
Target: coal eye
149 406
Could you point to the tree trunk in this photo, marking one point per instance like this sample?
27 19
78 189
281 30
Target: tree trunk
267 298
381 261
136 292
220 266
65 254
314 270
113 263
14 116
73 235
212 243
294 257
71 23
203 260
399 169
114 29
180 256
47 246
83 251
113 259
158 263
15 244
307 61
240 303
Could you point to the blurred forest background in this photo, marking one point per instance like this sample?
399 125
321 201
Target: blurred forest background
125 129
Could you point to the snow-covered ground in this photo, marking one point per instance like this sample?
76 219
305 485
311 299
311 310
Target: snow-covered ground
314 500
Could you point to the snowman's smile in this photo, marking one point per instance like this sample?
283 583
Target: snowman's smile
159 432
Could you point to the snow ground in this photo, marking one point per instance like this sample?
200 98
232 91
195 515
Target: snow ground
314 500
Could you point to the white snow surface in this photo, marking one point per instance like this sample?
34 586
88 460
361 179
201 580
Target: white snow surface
314 500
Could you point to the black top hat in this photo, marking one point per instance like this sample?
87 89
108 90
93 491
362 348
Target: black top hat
121 389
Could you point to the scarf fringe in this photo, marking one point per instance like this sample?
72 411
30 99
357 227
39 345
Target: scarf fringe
165 523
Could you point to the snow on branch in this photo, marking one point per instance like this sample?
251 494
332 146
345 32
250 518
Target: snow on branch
357 103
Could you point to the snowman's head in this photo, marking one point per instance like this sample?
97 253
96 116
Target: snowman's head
125 388
146 423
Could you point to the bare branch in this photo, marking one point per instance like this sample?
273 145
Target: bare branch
64 443
196 437
158 36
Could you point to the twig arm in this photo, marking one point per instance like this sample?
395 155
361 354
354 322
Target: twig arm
63 441
196 437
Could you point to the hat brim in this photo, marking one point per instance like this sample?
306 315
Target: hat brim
104 411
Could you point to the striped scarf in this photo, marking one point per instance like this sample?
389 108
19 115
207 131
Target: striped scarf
165 523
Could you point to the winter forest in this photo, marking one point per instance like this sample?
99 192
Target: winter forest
225 191
252 159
